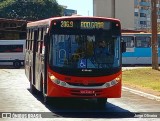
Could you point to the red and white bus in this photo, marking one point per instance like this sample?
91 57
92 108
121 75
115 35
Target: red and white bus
61 58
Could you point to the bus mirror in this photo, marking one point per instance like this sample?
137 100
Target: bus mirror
123 47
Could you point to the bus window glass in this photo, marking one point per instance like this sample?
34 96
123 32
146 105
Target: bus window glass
30 45
41 34
129 41
32 35
143 42
11 48
84 51
27 34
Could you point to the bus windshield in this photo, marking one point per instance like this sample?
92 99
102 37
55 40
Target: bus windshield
89 51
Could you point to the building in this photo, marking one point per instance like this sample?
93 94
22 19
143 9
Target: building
134 14
11 23
11 29
68 12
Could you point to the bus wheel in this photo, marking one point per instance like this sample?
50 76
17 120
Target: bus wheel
47 100
32 89
17 64
101 102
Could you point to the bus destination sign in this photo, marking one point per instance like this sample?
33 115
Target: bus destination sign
85 24
92 25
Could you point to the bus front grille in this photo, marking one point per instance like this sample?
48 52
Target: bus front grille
88 85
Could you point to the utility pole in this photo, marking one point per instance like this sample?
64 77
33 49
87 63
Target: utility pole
113 8
154 35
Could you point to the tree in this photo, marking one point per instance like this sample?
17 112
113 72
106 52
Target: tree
29 9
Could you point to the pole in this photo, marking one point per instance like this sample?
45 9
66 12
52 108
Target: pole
113 8
154 36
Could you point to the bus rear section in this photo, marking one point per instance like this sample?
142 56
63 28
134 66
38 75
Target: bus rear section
12 52
69 62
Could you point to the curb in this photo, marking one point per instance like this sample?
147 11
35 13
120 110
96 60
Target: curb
143 94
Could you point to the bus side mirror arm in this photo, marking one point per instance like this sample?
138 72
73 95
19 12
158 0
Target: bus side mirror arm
123 47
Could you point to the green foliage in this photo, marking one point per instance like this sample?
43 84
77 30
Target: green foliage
143 78
29 9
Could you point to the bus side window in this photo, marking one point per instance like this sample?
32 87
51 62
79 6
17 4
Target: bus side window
35 39
27 44
44 32
27 40
30 45
17 48
143 42
6 48
32 40
2 48
40 40
11 48
129 41
148 41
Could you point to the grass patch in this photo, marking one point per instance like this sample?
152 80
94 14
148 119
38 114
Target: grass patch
143 78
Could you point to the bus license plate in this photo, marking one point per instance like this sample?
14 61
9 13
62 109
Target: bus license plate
87 92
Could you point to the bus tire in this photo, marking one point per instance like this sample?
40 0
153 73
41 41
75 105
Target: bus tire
32 89
47 100
101 102
17 64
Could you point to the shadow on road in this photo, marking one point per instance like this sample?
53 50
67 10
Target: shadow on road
83 108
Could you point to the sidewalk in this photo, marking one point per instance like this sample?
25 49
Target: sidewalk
143 94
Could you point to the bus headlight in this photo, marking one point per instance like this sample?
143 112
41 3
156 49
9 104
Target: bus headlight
54 79
57 81
118 79
113 82
63 83
108 84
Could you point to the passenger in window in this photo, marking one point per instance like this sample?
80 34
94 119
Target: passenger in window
101 49
102 54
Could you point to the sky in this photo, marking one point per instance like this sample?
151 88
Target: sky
83 7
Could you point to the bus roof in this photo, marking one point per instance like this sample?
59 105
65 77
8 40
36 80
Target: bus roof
48 21
136 33
12 42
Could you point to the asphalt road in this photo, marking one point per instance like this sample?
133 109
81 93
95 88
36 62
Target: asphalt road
15 97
